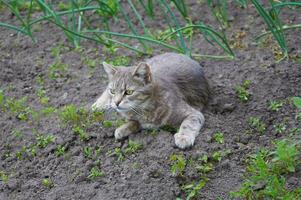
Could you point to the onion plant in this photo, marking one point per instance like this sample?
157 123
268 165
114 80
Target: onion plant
75 21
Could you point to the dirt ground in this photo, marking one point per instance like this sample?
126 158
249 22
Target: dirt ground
145 174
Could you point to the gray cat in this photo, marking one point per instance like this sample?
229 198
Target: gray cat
168 89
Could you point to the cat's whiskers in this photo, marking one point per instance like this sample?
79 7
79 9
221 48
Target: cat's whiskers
134 109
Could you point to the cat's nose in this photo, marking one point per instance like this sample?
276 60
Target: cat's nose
117 102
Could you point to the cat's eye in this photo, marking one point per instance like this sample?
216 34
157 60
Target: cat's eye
112 91
129 92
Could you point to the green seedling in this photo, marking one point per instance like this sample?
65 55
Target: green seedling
97 116
91 64
193 189
264 178
95 173
98 151
41 93
44 141
40 80
133 147
219 155
3 176
1 99
205 168
19 108
107 124
119 154
280 128
242 91
88 152
256 124
120 61
17 133
81 132
178 164
285 156
297 102
32 150
47 182
60 150
63 6
275 105
73 116
218 137
48 111
57 70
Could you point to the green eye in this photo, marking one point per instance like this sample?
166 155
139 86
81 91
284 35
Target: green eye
112 91
129 92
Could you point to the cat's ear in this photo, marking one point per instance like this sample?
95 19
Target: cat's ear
143 73
110 70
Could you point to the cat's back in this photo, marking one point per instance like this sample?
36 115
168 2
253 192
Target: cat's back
177 70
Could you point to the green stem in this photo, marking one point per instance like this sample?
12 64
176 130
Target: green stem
285 27
98 41
139 38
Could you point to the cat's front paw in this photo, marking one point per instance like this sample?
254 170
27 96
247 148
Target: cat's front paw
184 141
120 134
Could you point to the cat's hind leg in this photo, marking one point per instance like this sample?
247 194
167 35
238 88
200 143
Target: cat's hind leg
126 129
189 129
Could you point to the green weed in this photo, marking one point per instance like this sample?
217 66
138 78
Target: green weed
265 171
3 176
57 70
256 124
120 61
219 155
285 156
60 150
95 173
41 93
133 147
218 137
275 105
47 182
205 165
193 189
280 128
91 64
178 164
107 124
17 133
47 111
242 91
19 108
44 141
297 102
119 154
1 99
81 132
88 152
73 116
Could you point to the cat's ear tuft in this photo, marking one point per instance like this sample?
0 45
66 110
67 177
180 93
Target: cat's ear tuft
143 73
110 70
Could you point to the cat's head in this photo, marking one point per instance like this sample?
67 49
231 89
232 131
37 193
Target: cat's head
129 87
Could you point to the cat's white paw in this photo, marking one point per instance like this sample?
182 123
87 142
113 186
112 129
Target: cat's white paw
184 141
119 134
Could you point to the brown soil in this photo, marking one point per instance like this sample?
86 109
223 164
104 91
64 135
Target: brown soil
145 174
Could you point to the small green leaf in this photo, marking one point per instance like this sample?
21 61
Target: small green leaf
297 101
